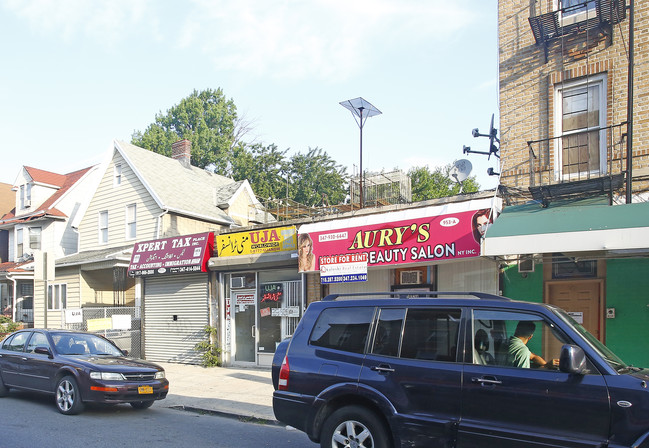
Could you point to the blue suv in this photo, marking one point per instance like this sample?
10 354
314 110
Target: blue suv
449 369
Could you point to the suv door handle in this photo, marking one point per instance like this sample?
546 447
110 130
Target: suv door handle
383 368
486 381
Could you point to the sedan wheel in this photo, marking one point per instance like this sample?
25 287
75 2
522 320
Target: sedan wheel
68 396
354 427
141 404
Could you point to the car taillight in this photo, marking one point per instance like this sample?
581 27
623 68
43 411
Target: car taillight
284 372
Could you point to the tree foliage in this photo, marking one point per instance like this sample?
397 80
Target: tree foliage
206 118
426 184
315 178
263 166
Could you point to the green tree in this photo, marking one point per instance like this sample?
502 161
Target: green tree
315 177
207 119
437 184
263 166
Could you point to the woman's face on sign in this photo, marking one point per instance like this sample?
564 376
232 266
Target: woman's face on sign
483 224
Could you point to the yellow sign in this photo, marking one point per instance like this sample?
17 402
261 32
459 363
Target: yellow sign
100 324
257 242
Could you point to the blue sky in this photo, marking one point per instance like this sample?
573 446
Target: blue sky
77 74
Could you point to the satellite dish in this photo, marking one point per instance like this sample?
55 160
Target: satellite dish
461 170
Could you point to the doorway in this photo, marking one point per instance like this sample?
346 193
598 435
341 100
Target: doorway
583 300
244 304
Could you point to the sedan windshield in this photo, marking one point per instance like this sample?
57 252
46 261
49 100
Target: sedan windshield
605 352
84 344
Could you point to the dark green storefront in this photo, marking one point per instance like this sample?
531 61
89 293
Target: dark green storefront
611 240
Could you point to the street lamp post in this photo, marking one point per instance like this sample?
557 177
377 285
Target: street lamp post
361 110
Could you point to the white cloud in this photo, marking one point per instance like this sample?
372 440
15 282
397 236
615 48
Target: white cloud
104 21
294 39
317 39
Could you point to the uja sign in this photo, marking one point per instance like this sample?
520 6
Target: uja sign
181 254
403 237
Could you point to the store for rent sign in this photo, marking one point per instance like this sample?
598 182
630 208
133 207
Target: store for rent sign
343 268
422 235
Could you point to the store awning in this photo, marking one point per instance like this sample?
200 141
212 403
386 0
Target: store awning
570 226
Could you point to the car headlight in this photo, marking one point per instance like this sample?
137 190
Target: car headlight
160 375
108 376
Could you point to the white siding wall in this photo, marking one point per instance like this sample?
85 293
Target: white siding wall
115 199
480 275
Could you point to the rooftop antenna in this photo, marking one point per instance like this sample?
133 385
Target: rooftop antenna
361 110
460 171
493 149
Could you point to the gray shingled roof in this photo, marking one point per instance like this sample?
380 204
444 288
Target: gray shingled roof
191 191
94 256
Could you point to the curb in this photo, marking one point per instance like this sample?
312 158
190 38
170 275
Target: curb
239 417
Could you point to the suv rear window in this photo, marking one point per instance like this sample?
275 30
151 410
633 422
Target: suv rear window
343 328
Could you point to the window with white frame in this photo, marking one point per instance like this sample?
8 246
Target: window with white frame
35 237
574 11
117 174
580 119
131 221
57 295
19 243
103 227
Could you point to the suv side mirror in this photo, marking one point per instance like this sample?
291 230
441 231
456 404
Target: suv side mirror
572 360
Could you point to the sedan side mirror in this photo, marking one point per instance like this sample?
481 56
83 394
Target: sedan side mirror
572 360
42 350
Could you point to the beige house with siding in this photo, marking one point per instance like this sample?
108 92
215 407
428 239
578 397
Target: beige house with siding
141 196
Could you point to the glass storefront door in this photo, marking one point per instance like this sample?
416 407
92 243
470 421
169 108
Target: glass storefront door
245 311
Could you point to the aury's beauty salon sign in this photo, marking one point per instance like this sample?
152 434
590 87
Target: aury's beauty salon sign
428 234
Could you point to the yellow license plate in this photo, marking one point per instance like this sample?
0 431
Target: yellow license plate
145 390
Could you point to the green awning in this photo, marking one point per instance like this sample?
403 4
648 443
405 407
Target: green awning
568 226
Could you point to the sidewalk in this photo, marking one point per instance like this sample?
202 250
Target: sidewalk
237 392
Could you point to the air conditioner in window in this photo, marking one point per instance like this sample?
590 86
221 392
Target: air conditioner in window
28 203
237 282
526 265
410 277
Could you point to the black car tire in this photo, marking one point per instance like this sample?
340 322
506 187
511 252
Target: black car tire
354 426
142 404
4 390
68 396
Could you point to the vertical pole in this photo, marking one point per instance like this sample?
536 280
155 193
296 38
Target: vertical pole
629 113
360 176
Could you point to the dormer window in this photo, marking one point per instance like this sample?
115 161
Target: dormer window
25 196
117 175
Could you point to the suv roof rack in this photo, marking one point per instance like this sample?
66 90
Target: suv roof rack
419 294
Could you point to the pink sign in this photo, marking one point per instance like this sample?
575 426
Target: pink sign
416 240
180 254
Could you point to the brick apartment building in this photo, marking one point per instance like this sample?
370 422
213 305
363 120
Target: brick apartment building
575 164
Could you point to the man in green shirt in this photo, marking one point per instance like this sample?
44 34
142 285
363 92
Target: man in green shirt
518 354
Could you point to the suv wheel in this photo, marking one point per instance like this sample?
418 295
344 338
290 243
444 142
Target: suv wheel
354 426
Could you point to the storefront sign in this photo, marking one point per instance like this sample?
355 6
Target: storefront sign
421 235
293 311
180 254
73 316
343 268
257 242
272 292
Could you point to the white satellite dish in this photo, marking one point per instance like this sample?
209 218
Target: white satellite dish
461 170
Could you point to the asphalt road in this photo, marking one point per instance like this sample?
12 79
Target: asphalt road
32 421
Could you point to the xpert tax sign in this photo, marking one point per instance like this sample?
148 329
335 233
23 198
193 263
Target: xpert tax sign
452 231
